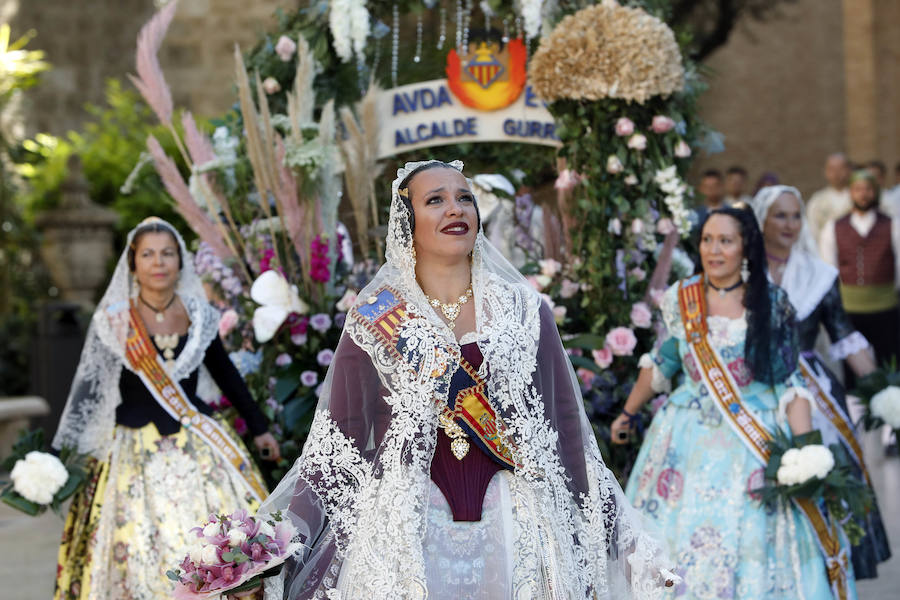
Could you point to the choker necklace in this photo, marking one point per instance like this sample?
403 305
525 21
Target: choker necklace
451 310
724 290
159 313
782 262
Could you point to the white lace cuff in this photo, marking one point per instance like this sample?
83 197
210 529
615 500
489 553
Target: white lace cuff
788 396
660 383
846 346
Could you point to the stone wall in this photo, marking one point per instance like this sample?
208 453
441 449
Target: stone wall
88 41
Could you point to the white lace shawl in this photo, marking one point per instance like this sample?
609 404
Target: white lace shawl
89 416
806 278
359 490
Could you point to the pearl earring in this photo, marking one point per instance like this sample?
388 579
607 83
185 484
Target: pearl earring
745 270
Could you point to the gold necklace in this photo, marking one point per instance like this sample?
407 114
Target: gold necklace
167 344
451 310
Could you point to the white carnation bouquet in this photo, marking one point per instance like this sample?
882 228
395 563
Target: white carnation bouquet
803 467
880 393
38 479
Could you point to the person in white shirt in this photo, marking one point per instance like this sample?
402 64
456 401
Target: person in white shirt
865 247
832 201
890 196
735 185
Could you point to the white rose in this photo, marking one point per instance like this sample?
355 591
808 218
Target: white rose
196 553
615 227
212 529
236 537
266 529
209 555
631 180
637 142
800 465
614 165
38 477
886 406
271 86
682 150
543 280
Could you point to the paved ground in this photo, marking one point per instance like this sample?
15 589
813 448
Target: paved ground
28 546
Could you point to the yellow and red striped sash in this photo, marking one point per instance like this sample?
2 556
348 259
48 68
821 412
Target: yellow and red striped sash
832 411
148 365
727 398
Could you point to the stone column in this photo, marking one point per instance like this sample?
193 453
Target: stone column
860 74
77 240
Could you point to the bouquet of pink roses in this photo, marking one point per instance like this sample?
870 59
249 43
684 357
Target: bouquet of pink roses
232 553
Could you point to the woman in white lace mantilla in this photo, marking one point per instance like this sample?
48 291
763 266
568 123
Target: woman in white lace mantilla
155 471
450 455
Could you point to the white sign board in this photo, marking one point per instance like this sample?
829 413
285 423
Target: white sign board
424 114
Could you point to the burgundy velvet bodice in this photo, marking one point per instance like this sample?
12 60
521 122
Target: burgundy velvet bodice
463 482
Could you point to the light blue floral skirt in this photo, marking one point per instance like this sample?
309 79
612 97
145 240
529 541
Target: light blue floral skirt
691 479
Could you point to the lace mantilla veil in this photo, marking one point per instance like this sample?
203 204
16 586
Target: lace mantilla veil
806 278
359 491
89 416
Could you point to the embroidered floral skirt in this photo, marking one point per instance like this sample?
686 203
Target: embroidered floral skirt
127 527
692 479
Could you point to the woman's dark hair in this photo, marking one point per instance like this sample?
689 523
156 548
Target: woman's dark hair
762 340
151 228
404 192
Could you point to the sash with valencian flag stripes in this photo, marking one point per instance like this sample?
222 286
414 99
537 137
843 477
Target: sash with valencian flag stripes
384 314
148 365
727 396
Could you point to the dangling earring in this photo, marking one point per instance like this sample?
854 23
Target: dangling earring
745 270
414 252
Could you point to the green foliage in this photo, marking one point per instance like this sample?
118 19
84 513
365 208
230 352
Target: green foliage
110 144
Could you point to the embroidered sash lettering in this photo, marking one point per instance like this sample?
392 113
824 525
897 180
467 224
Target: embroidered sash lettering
829 407
727 398
148 365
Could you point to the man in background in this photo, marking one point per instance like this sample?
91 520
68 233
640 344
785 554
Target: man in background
735 185
833 201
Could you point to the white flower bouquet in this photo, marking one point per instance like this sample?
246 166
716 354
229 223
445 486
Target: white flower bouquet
880 393
38 479
803 467
233 553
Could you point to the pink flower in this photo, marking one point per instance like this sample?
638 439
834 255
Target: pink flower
586 376
638 273
283 359
240 426
549 267
662 124
682 150
624 126
285 48
637 142
621 341
567 180
347 301
568 288
641 315
603 357
227 322
271 85
614 166
559 314
665 226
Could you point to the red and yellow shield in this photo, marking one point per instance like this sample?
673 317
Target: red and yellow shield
488 77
